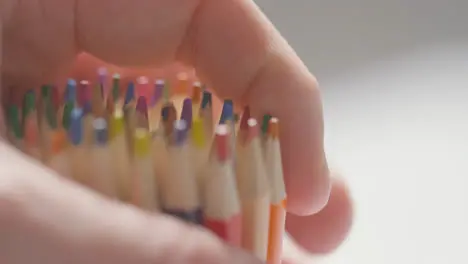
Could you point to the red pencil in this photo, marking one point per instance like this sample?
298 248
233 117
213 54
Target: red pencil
221 202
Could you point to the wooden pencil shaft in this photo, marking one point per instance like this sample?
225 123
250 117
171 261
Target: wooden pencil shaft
255 226
103 179
147 186
79 164
180 192
121 165
88 135
221 204
275 170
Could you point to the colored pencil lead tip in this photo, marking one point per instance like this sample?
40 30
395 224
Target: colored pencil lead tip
102 71
273 128
29 104
197 133
14 121
265 123
130 94
187 112
46 90
84 93
71 82
142 106
70 91
75 132
252 129
141 142
158 91
197 92
180 132
206 100
67 110
100 131
245 118
116 86
142 80
227 112
222 142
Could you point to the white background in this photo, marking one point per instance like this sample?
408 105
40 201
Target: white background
394 76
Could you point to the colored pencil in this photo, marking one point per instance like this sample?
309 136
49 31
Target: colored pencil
32 143
78 152
102 174
221 206
197 90
180 194
253 190
156 104
145 186
120 156
116 89
88 104
138 149
58 159
206 113
199 150
278 192
15 132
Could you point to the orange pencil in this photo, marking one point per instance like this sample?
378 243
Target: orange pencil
278 193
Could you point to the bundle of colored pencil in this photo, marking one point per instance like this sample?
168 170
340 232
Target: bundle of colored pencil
132 145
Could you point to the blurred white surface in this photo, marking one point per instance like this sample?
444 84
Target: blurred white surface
398 130
394 76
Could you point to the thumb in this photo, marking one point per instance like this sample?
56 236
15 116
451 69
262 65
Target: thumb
47 219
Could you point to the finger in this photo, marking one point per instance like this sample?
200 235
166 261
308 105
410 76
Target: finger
56 221
325 231
235 50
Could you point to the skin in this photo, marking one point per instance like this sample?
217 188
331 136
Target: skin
234 49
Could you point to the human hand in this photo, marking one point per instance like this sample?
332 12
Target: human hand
234 49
